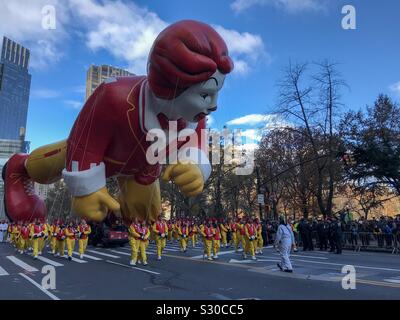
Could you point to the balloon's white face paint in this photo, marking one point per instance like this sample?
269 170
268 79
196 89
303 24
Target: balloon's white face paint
194 103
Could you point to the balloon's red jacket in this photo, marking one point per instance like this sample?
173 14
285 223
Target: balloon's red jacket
109 138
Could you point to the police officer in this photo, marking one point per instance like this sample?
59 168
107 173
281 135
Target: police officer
337 235
303 230
322 231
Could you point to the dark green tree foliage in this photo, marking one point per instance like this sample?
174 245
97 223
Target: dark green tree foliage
373 137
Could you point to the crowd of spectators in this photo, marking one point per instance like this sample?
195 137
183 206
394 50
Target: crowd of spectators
341 230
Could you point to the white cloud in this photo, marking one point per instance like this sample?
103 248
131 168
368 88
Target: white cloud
21 21
245 48
395 88
291 6
73 104
128 31
253 134
263 121
250 119
124 29
45 93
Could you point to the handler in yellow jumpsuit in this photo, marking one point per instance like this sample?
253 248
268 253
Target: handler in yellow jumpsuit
216 240
170 231
30 240
17 236
193 233
143 243
234 241
83 230
70 233
259 241
175 234
42 240
53 237
240 234
23 238
35 234
183 232
207 233
133 239
60 235
224 228
14 235
251 238
139 234
160 230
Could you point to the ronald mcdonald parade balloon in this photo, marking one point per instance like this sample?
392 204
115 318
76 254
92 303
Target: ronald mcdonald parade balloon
186 69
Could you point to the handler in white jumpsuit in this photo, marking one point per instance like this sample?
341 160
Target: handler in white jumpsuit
3 231
284 241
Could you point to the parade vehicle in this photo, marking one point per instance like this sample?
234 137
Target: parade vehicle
108 233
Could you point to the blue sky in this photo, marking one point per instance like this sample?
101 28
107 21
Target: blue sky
263 35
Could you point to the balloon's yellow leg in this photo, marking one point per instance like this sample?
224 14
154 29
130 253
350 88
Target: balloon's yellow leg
139 201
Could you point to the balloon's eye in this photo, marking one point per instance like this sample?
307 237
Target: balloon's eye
204 96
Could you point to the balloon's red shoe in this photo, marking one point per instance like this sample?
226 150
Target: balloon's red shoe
20 201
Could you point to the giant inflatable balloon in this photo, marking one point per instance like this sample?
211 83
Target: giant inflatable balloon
187 66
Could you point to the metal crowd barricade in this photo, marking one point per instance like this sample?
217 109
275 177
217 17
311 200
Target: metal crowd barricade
366 241
371 241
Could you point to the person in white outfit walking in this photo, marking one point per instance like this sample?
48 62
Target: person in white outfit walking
283 242
3 231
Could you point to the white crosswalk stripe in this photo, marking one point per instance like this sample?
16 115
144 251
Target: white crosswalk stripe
88 256
103 254
132 267
120 252
51 262
72 258
219 254
3 272
22 264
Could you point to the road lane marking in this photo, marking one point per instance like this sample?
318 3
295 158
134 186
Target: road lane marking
72 258
120 252
219 254
52 296
173 249
151 251
378 283
132 267
303 256
241 261
268 260
87 256
48 261
22 264
3 272
392 280
219 296
343 264
104 254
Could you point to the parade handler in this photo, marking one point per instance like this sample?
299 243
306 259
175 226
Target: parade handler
160 229
187 67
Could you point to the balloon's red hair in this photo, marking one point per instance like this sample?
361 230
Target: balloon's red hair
185 53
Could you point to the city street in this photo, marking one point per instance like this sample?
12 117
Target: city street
105 273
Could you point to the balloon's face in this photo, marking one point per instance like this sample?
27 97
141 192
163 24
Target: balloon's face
197 101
